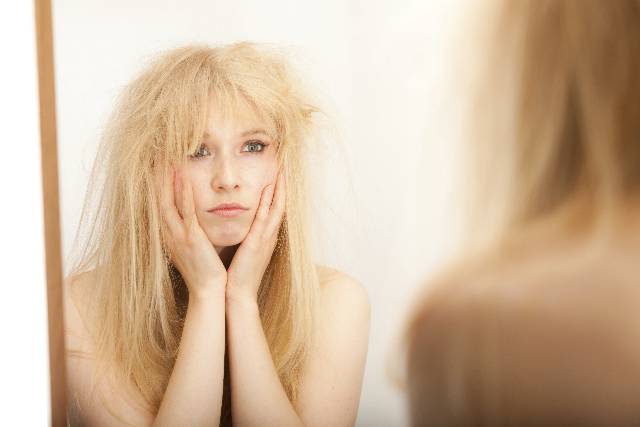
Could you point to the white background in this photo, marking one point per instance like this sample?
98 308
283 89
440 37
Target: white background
384 72
24 359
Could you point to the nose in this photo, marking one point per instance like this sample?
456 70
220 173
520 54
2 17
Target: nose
225 175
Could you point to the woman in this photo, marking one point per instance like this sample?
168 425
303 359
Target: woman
201 228
538 324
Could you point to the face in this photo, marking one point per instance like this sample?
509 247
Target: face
235 162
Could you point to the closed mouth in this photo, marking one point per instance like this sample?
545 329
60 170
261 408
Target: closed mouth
228 209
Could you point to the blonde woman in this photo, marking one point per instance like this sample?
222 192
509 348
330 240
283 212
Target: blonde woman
196 300
538 325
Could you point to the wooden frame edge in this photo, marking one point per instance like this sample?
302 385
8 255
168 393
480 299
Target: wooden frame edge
49 153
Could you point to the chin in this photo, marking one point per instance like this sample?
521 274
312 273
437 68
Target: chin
224 238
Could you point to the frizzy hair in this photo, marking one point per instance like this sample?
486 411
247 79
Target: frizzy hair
158 121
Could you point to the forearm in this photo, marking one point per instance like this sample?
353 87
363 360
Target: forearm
258 398
194 392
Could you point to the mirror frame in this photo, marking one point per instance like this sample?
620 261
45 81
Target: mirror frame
51 203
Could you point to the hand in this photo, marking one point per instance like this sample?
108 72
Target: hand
189 247
252 257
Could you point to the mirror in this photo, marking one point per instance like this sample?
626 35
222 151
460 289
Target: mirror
379 73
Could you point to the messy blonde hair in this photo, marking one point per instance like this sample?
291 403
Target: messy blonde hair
159 120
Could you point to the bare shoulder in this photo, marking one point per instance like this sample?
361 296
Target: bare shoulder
335 368
345 310
560 282
76 320
337 287
91 399
514 309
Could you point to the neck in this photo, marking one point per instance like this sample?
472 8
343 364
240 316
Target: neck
226 254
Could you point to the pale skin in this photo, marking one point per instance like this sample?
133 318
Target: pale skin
238 164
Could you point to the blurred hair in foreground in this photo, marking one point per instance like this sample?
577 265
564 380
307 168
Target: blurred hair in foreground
537 323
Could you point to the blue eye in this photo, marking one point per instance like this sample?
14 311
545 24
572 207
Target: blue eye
201 152
254 146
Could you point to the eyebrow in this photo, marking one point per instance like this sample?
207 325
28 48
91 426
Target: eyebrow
246 133
255 132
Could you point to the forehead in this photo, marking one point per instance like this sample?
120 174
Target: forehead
237 116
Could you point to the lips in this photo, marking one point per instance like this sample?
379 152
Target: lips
228 210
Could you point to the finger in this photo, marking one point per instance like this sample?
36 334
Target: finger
265 203
169 217
178 190
257 226
165 195
188 205
277 206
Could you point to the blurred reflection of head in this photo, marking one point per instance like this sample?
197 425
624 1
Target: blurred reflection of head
536 324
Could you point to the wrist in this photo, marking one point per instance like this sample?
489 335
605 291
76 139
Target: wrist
214 293
238 298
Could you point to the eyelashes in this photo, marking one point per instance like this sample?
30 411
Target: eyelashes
202 151
254 146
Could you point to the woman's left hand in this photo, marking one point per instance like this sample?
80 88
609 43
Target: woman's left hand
252 257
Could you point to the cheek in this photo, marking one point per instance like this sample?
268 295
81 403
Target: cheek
198 180
262 175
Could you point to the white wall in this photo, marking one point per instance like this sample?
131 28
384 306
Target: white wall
24 360
382 68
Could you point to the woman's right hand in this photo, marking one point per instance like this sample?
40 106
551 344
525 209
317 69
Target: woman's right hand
189 248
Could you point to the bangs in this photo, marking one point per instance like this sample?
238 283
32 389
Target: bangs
232 100
232 79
